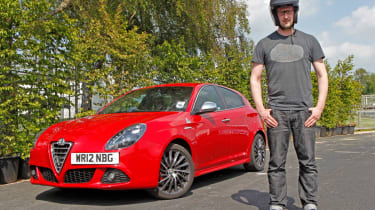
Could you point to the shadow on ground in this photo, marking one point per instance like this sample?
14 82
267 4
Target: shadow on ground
218 176
123 197
259 199
94 197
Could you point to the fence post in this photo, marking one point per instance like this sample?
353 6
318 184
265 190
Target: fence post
359 118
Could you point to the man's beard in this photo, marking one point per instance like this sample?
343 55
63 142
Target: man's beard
286 27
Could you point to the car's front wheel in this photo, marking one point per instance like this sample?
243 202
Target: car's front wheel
176 173
257 154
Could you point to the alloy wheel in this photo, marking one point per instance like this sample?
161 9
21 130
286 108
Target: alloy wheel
260 151
176 173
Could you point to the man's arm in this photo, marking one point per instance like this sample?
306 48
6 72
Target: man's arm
256 90
321 73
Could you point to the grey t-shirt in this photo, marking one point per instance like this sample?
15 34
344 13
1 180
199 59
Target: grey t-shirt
288 64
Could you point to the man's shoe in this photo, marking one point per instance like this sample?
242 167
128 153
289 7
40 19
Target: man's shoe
310 206
276 207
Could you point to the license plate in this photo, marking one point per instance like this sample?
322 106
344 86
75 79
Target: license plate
95 158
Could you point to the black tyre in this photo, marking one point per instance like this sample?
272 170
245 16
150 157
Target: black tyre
176 173
257 154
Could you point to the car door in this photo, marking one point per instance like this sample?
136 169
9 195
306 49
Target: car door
210 130
238 126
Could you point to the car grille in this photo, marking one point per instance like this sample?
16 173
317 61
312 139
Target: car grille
79 175
60 150
47 174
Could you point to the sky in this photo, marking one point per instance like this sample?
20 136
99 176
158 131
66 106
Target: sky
343 27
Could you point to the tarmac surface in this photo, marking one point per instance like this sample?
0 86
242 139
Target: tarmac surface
346 182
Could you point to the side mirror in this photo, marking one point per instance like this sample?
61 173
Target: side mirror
207 106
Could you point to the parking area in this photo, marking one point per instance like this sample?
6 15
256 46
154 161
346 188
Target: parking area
346 181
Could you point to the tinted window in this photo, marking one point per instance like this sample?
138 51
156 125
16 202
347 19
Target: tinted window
152 100
207 93
232 99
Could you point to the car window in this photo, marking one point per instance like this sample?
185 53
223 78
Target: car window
157 99
207 93
232 99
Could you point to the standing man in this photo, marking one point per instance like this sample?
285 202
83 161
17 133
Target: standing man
287 55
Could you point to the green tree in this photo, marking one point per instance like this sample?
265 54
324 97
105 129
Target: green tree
203 29
53 49
366 79
344 94
361 75
11 18
204 25
349 90
370 84
33 71
108 57
329 115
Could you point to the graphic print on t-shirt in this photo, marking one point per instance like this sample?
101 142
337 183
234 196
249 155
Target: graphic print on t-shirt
285 53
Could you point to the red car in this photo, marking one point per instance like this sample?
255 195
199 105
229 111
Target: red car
157 138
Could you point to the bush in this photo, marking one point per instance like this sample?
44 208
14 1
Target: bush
344 94
349 90
329 117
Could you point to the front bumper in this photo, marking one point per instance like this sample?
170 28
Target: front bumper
138 169
96 178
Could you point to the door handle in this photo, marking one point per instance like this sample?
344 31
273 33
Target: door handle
226 120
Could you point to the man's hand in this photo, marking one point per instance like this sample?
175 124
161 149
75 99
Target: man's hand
268 119
315 116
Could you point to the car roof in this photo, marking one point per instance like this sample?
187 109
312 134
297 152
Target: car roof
178 84
194 85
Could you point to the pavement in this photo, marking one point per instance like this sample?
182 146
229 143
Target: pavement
346 182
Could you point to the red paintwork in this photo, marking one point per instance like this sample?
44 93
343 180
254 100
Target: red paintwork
213 146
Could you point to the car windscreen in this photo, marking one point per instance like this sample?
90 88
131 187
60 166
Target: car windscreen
157 99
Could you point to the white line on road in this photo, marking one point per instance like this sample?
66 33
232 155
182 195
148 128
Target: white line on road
261 173
348 152
349 139
18 181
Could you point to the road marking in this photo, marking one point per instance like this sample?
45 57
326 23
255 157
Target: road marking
261 173
16 182
349 139
318 158
348 152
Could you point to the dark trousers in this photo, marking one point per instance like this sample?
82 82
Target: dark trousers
304 144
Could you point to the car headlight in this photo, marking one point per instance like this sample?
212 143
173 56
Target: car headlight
126 137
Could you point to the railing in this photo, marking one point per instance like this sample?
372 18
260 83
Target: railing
368 102
365 119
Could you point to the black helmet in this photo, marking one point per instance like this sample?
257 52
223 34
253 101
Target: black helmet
274 4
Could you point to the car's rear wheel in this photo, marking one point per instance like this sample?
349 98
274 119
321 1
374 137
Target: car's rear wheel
176 173
257 154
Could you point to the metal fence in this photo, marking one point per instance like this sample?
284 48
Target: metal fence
368 102
365 118
69 110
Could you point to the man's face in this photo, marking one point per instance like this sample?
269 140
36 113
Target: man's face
286 16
